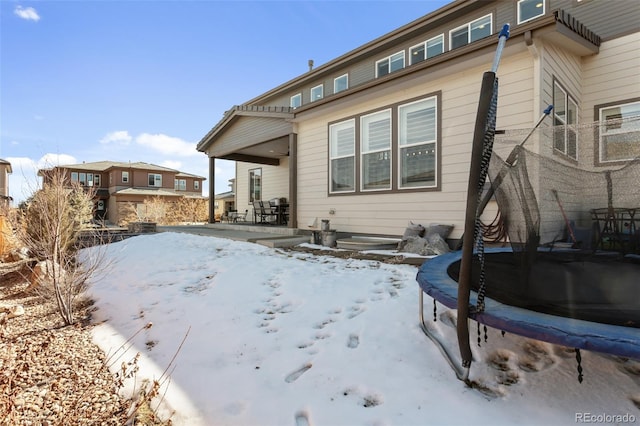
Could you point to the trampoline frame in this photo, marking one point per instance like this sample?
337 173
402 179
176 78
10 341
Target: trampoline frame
434 280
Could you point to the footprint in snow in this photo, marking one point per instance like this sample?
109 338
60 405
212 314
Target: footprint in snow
295 375
354 341
536 357
302 419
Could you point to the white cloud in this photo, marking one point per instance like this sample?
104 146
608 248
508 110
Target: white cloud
52 160
167 145
172 164
27 13
119 137
24 180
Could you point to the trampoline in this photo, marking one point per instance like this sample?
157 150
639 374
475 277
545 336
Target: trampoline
569 269
570 301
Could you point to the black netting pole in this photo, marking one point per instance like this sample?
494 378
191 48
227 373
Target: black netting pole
473 192
484 130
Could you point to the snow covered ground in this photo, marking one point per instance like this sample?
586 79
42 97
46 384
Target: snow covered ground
288 338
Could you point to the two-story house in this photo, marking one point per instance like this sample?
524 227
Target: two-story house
382 134
119 185
5 171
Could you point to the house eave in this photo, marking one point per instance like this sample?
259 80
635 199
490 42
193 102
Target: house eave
243 111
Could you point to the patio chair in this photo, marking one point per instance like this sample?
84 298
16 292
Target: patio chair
267 215
241 217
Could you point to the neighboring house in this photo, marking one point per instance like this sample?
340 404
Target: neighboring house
120 186
5 171
382 135
224 202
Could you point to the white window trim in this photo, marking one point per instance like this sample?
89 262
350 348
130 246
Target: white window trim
434 142
352 123
97 179
125 177
389 149
335 81
314 96
568 99
155 175
296 96
388 58
468 26
601 109
520 21
424 45
196 184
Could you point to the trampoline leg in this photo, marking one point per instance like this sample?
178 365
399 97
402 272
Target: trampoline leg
462 372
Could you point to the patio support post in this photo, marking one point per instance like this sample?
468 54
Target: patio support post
293 180
212 190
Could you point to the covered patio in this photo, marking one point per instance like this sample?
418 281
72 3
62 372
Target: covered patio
257 136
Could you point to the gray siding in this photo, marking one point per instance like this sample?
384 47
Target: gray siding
242 134
607 18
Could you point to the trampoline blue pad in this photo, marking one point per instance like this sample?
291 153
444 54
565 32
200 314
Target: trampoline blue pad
618 340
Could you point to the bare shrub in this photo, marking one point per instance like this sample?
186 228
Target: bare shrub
50 228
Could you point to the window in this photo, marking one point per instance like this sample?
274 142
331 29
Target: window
74 176
296 101
342 158
82 178
89 179
397 149
125 177
417 144
317 92
390 64
255 185
155 180
529 9
375 146
619 132
196 185
341 83
468 33
180 184
565 117
426 50
96 180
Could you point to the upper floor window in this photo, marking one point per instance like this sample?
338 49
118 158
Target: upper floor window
375 148
155 179
390 64
196 184
341 83
74 176
180 184
620 132
468 33
342 156
565 117
529 9
96 180
255 185
417 135
296 101
426 50
125 177
317 92
89 179
82 178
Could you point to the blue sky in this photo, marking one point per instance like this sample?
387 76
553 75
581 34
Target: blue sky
146 80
